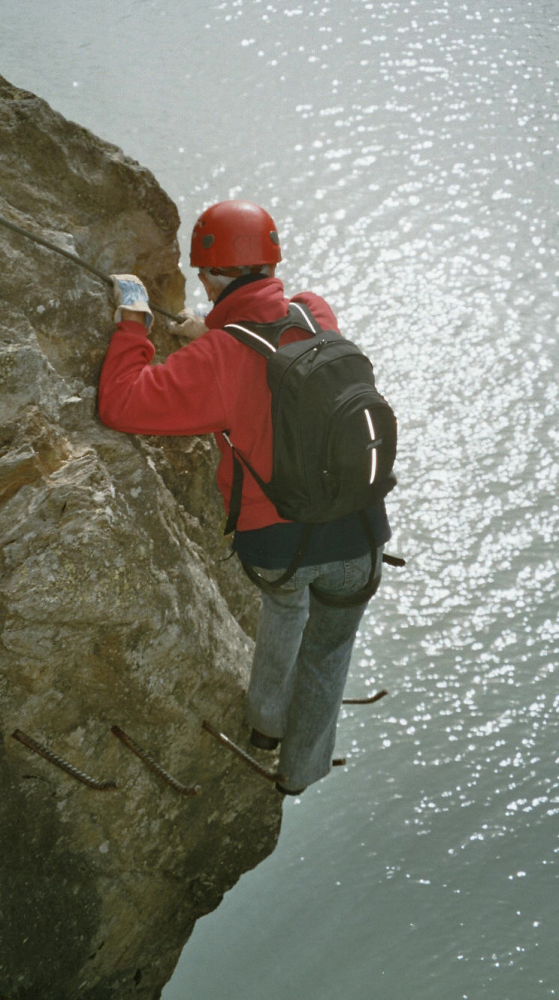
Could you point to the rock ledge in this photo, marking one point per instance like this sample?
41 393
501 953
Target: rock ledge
115 608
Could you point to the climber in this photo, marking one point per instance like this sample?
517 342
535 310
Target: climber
216 384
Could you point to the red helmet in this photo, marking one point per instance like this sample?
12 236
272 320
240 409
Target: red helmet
234 234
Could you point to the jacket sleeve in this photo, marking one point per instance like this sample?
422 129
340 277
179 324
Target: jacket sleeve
180 396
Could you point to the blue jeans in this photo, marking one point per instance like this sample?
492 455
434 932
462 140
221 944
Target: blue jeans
301 660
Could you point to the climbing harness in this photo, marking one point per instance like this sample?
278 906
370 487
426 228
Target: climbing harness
76 260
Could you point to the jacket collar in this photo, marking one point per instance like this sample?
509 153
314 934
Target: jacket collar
260 302
243 279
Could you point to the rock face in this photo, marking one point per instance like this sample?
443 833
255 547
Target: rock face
115 609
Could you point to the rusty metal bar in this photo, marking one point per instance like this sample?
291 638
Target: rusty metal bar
365 701
64 765
244 756
153 765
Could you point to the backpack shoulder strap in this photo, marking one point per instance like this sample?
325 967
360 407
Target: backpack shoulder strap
265 337
261 341
310 321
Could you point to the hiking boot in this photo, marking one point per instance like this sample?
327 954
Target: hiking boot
263 742
289 791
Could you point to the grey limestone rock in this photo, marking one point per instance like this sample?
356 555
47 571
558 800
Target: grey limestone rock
116 607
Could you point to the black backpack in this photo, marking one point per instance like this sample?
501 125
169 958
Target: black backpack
334 435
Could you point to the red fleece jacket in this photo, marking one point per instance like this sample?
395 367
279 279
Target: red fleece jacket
213 384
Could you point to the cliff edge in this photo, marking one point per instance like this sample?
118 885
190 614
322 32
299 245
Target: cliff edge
116 608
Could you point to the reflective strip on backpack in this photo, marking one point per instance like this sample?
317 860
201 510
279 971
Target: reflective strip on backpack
237 326
371 427
304 315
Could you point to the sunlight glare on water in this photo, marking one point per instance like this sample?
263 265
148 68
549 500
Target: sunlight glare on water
408 150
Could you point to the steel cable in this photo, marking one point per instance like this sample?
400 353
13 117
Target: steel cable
76 260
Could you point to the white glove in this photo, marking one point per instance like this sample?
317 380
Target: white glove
130 293
192 326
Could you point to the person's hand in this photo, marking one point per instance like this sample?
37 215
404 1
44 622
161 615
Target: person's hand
130 294
192 326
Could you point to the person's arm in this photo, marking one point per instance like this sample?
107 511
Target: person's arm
191 327
180 396
136 317
131 300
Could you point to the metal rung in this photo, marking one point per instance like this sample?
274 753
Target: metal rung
244 756
64 765
153 765
365 701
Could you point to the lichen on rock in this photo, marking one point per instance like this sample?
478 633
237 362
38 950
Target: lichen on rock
116 604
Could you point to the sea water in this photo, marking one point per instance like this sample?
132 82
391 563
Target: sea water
408 150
